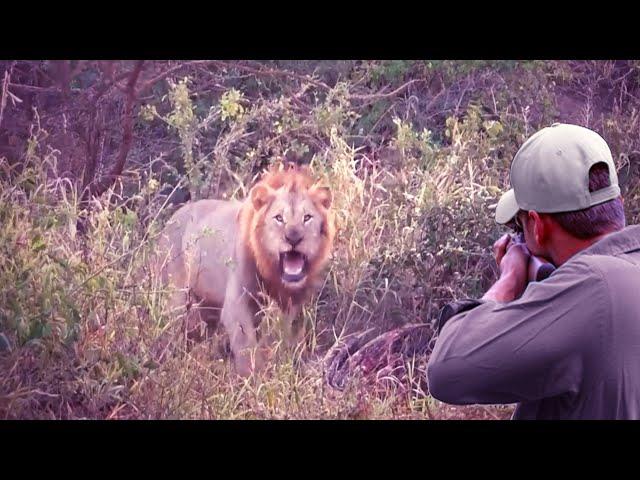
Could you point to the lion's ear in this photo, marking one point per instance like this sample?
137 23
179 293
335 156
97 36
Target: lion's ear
322 195
260 195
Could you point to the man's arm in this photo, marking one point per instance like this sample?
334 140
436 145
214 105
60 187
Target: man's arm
517 269
502 350
528 349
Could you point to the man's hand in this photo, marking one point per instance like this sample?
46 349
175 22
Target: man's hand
500 247
513 260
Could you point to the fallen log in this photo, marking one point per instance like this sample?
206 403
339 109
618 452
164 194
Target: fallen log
394 358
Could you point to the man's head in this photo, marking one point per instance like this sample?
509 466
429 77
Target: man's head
565 193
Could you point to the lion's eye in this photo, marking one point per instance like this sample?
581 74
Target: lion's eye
279 218
307 218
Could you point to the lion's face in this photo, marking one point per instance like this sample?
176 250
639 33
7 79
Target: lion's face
292 235
292 231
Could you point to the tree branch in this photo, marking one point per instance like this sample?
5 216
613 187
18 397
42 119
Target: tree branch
106 181
5 89
377 96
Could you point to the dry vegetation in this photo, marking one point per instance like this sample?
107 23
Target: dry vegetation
94 157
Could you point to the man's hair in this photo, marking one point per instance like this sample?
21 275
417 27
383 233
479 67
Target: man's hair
599 219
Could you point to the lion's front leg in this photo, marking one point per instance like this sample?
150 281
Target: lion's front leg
238 319
294 329
182 307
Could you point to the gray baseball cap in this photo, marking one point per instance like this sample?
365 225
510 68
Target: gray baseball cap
550 172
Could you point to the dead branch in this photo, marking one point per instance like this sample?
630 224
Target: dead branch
106 181
274 73
31 88
378 96
383 358
5 89
149 83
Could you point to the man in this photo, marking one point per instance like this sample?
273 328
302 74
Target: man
567 347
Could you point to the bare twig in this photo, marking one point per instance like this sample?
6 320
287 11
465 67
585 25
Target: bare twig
31 88
173 69
5 89
274 73
377 96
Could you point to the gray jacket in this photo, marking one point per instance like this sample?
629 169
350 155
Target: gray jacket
568 348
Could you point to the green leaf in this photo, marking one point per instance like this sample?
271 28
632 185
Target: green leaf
38 243
493 128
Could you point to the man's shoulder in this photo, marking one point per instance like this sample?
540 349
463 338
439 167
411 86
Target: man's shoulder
583 265
612 275
602 263
580 277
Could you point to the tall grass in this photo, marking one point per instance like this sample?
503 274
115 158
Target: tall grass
86 322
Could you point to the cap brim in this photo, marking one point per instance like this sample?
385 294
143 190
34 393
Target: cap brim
507 208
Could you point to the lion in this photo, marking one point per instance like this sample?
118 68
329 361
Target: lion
224 253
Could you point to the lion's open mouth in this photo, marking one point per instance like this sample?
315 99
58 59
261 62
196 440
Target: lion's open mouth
293 266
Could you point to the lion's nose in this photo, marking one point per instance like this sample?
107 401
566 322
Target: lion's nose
293 236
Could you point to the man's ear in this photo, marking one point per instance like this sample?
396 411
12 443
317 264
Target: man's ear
260 195
540 227
543 226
